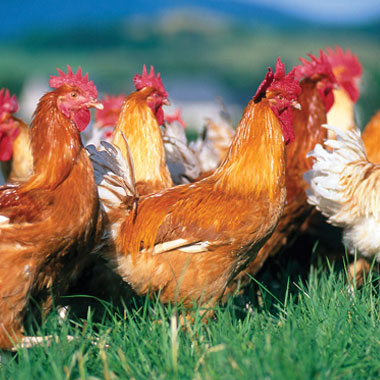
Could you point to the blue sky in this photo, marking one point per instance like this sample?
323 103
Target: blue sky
19 16
330 11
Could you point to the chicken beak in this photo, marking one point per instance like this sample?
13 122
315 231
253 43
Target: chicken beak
166 102
296 105
96 104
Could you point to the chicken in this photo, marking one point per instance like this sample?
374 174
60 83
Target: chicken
188 242
51 222
183 163
15 153
317 82
371 140
345 187
140 119
347 70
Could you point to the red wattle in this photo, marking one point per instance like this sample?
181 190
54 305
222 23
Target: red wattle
82 118
160 116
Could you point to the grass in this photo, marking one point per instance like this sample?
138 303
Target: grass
312 329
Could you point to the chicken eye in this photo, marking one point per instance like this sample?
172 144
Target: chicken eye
73 94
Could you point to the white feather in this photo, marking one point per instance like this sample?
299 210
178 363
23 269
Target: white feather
113 174
342 189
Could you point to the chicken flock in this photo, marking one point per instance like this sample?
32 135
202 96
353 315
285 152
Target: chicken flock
187 222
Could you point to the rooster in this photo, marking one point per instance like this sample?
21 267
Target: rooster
15 154
348 71
188 242
51 222
317 83
140 119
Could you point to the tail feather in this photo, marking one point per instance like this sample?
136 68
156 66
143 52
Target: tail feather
182 161
113 174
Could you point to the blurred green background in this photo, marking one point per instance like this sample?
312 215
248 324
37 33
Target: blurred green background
203 49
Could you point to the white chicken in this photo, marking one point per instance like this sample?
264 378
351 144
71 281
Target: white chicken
345 187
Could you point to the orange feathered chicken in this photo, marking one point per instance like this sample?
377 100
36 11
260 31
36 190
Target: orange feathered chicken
15 153
140 119
317 83
50 223
188 242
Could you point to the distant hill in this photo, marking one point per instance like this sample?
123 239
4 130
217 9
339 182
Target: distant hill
25 16
229 44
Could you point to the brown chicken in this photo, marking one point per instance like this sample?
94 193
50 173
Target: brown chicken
188 242
317 82
15 153
50 223
140 120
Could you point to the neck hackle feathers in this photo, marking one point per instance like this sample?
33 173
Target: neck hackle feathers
75 80
150 80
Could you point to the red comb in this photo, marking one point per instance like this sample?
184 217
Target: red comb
150 80
349 61
261 90
8 103
316 66
110 113
279 81
347 69
176 116
76 80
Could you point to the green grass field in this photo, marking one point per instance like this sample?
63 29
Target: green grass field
314 329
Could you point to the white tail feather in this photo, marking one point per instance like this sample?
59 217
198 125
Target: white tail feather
113 174
182 161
